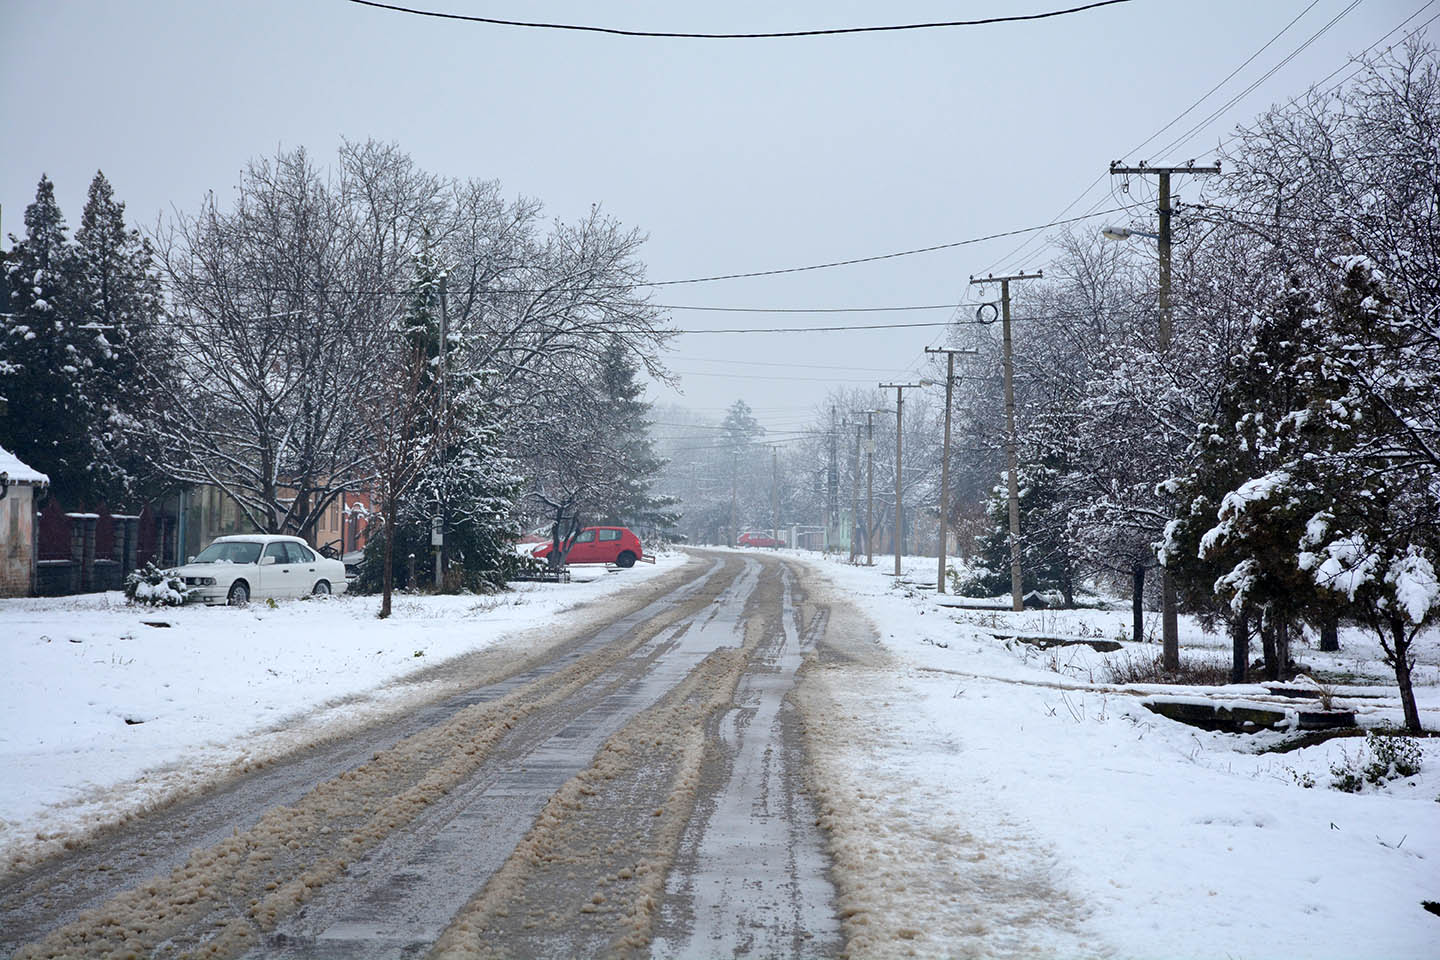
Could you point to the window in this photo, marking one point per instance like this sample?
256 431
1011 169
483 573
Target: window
277 550
587 536
606 535
299 553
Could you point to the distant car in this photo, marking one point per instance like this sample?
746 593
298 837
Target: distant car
753 539
615 545
237 569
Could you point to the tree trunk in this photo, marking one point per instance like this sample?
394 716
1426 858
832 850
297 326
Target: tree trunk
1239 648
1137 602
1267 643
1330 634
1402 674
387 574
1282 648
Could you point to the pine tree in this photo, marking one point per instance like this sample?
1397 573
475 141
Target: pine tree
638 465
45 369
118 307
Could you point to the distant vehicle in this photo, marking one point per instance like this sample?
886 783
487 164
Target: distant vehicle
753 539
615 545
238 569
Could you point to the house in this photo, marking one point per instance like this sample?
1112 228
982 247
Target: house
19 487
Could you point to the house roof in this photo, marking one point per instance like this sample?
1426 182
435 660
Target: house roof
19 471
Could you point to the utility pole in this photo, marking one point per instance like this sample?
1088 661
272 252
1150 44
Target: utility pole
855 499
900 389
945 455
438 528
1169 619
1017 590
775 492
832 488
870 488
734 487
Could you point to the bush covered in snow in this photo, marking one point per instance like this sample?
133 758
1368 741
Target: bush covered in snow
1385 757
155 587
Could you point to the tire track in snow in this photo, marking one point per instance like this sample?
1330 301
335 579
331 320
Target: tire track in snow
223 897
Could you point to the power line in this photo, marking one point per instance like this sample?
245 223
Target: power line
1190 134
862 326
1350 76
407 291
616 31
1101 177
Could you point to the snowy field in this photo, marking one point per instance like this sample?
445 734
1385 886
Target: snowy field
988 798
102 714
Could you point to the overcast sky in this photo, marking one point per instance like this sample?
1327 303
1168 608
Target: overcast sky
733 155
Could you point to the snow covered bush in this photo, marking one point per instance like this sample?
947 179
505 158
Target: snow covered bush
1385 757
154 587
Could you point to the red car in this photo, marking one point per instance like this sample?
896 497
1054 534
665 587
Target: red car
615 545
753 539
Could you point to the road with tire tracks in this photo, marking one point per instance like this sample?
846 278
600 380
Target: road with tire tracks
636 787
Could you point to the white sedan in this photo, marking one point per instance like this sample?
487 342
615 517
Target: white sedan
237 569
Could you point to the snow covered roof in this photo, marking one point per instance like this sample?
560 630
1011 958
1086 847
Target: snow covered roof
18 471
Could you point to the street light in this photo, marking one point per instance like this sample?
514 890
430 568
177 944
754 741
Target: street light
1125 233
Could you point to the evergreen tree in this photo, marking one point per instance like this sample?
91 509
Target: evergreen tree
118 308
46 366
1047 558
635 505
1246 505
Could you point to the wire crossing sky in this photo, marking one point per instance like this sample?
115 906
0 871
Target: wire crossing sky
614 31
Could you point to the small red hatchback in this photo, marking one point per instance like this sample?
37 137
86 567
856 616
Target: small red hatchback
615 545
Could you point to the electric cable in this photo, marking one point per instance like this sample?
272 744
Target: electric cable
616 31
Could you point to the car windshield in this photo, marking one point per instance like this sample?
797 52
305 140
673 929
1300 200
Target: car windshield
231 552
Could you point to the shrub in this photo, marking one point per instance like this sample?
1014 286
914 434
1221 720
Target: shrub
154 587
1390 757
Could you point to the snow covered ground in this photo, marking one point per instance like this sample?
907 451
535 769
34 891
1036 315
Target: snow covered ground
102 714
993 799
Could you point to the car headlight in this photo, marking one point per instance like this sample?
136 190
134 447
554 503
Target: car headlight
207 581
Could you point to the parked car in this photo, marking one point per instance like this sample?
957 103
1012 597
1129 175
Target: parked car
753 539
615 545
237 569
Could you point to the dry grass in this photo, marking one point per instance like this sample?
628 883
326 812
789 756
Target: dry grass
1148 668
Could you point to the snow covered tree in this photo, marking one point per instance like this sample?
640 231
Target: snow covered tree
119 308
402 421
638 466
45 370
1046 553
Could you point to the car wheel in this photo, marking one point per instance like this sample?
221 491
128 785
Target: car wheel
322 588
626 559
239 594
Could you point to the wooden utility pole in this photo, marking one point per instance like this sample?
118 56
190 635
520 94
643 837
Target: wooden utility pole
832 487
1017 589
1169 619
855 499
775 493
945 455
734 487
900 389
870 488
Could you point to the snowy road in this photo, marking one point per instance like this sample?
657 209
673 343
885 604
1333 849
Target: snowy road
638 790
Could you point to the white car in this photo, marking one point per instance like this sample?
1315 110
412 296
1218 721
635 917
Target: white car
255 566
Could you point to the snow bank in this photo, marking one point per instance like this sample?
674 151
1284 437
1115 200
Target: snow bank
981 808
